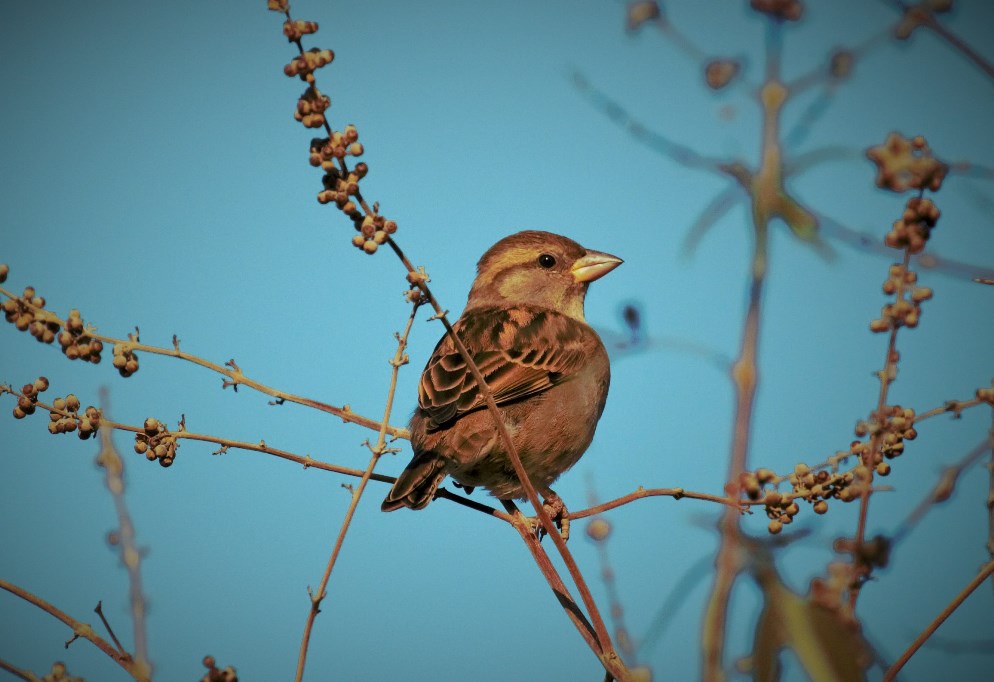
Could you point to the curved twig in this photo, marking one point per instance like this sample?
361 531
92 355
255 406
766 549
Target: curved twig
83 630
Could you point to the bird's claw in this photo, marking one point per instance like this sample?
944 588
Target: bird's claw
557 511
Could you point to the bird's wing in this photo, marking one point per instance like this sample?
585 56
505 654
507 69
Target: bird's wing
520 351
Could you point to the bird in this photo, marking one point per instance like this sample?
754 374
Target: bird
548 370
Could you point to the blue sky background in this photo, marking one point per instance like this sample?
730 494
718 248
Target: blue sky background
154 176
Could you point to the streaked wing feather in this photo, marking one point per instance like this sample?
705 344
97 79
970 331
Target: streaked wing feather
520 352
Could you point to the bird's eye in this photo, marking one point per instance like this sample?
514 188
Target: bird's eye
546 261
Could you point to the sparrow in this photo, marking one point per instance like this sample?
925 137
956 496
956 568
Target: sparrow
523 325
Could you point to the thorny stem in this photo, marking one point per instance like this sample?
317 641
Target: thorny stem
234 376
985 572
399 360
132 667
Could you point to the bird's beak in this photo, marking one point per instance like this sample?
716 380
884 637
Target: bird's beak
594 266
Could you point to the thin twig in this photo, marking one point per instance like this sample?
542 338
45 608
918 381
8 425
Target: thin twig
234 375
959 44
14 670
990 493
822 74
80 630
99 610
608 576
226 443
675 493
941 491
399 360
986 571
886 376
527 532
870 243
954 406
675 151
309 462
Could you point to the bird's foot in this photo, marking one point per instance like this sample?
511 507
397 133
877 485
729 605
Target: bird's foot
557 511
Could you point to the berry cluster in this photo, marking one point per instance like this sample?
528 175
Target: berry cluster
76 344
891 426
311 107
782 10
28 397
28 313
325 151
903 312
904 164
125 360
65 418
888 429
306 63
914 227
340 185
815 487
156 443
295 30
64 414
373 230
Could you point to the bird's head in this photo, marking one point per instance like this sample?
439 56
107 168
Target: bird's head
538 268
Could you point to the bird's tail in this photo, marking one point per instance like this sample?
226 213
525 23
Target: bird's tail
417 484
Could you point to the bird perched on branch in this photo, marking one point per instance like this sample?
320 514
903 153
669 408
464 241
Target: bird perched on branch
548 370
